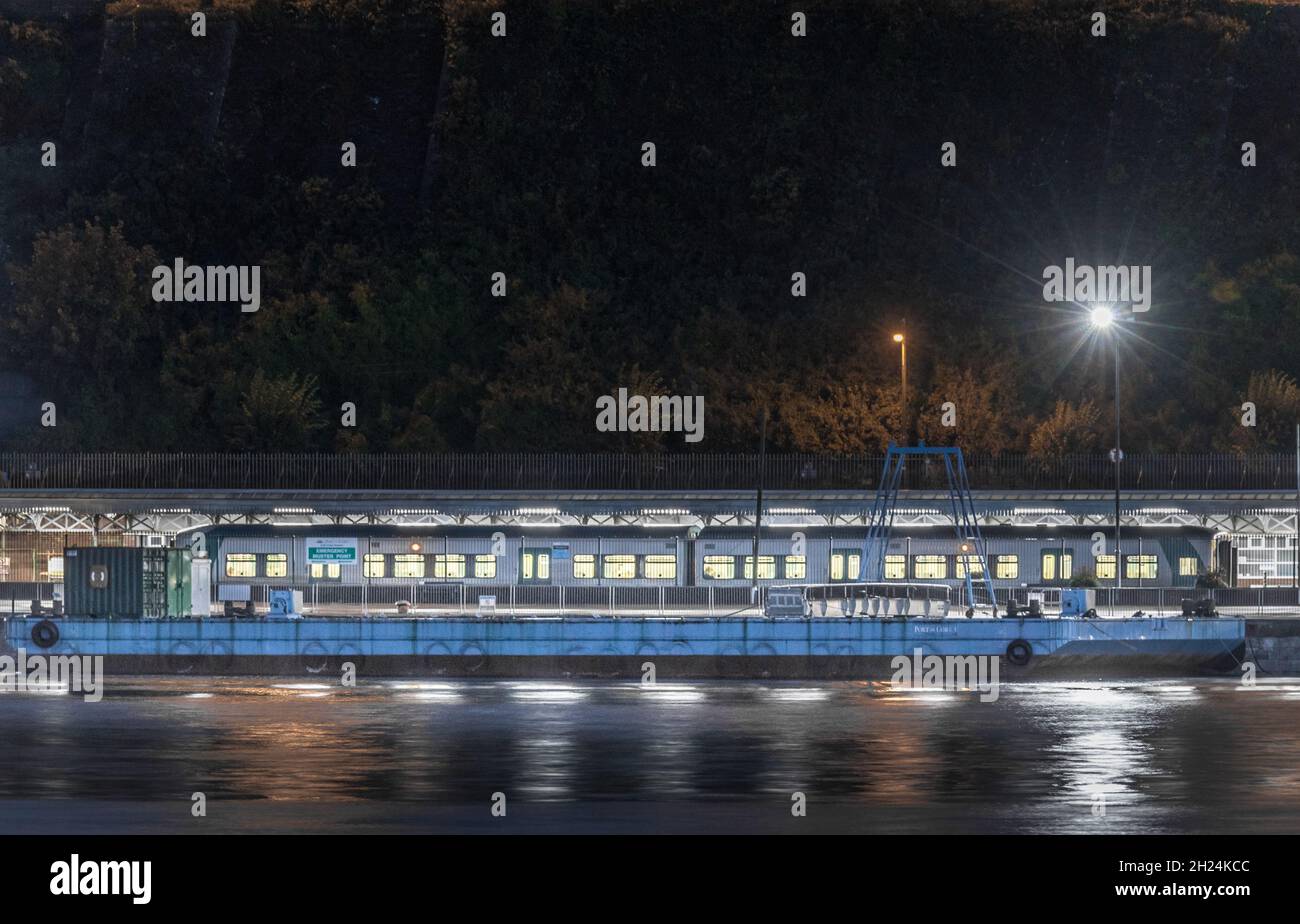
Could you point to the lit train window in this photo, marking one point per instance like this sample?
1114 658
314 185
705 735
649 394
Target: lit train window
1105 570
373 567
449 566
895 567
1189 566
719 567
277 565
584 566
929 567
1007 567
618 567
1140 567
661 567
796 567
54 567
485 566
1059 566
327 571
241 564
766 567
976 566
408 566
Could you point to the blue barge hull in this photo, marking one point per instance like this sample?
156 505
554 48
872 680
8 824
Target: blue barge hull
685 647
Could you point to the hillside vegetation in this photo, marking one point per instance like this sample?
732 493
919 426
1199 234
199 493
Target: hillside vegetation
523 155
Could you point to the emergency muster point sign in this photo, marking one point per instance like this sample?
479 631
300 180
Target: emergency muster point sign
336 550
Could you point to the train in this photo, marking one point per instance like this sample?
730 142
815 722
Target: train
591 556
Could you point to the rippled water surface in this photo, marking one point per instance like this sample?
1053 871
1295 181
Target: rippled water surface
412 756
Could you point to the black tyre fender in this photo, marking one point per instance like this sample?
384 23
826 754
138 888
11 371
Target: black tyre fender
179 658
313 658
1019 652
45 634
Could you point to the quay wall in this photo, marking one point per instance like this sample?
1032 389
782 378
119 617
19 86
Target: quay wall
1274 645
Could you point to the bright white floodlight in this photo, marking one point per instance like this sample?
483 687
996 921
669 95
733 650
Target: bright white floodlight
1101 316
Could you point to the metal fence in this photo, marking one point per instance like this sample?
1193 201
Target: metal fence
622 472
343 600
16 597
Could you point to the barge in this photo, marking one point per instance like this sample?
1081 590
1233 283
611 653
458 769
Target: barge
576 646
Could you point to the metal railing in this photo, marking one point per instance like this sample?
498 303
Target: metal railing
16 597
1229 601
351 600
621 472
509 600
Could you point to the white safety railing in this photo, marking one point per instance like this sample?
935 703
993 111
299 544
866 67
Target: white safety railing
881 599
872 598
451 599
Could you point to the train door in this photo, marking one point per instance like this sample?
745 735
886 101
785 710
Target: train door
846 565
534 566
325 571
1056 565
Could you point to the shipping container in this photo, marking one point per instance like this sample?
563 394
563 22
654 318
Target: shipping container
127 583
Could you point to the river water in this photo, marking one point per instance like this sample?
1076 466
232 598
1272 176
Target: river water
428 756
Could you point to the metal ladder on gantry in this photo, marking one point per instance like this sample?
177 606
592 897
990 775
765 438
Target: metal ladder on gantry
965 523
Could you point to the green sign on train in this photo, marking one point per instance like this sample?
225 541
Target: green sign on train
338 550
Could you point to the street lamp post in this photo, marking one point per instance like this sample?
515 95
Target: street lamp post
1102 317
902 358
1119 459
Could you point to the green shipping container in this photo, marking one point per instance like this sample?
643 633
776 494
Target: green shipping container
126 583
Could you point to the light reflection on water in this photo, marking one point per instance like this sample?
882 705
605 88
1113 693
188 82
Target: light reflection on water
1165 756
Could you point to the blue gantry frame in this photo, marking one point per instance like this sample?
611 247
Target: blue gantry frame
965 523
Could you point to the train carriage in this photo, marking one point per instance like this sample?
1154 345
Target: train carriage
481 556
602 557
